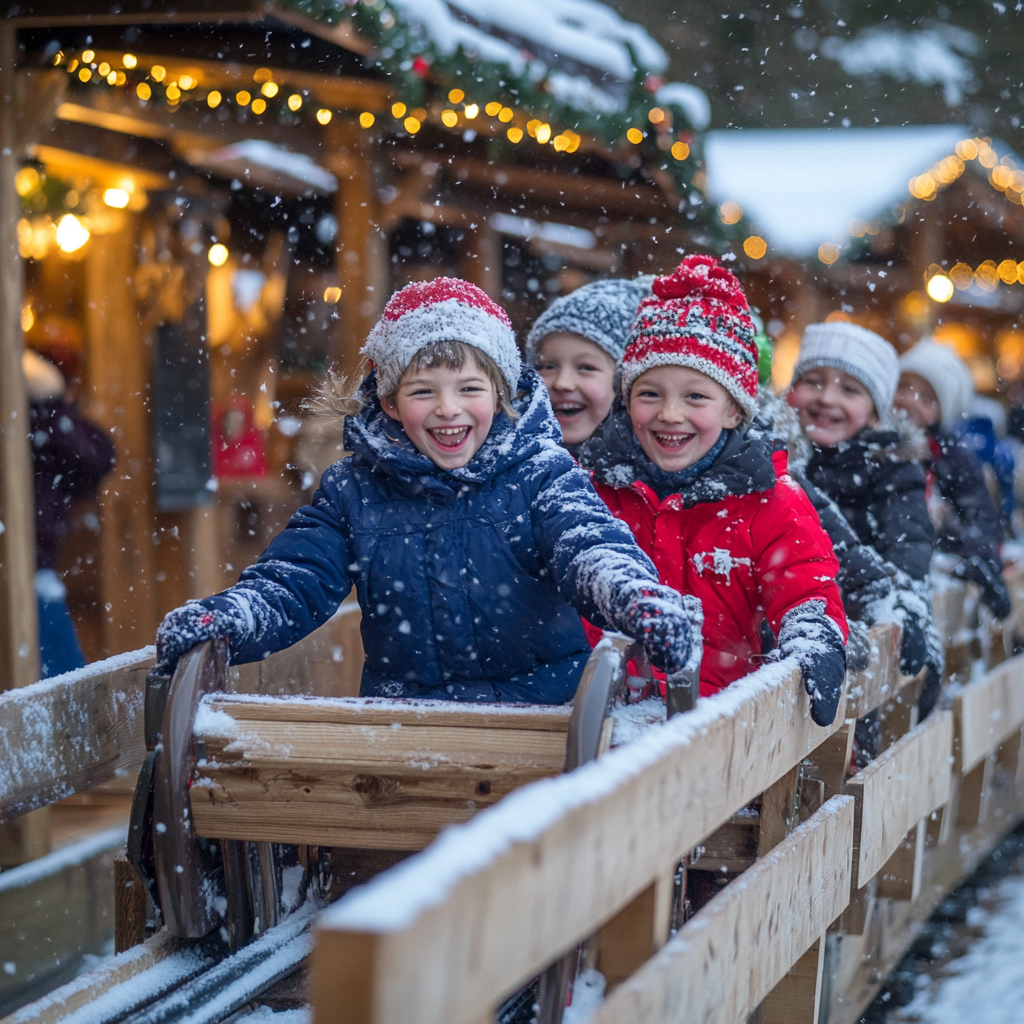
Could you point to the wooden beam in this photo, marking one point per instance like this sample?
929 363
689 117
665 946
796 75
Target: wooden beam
877 683
797 997
566 855
19 638
732 953
988 712
901 786
900 876
42 13
70 733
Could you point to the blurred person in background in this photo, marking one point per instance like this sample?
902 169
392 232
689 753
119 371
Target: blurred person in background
935 390
70 455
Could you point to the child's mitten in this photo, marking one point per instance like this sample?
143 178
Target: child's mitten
858 646
813 639
914 651
668 624
993 587
187 626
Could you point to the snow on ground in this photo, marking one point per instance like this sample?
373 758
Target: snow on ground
986 984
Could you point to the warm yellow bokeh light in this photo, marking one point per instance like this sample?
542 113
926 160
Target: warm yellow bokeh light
1007 271
492 108
516 135
755 247
730 212
939 288
543 134
158 72
28 318
270 89
332 294
72 234
411 125
456 96
635 136
323 115
143 91
129 60
366 119
116 197
213 98
112 78
26 180
680 150
656 115
962 276
242 98
449 118
398 109
173 93
505 115
218 254
88 56
187 82
84 75
472 109
259 106
103 70
294 101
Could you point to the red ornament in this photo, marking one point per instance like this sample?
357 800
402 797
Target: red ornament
421 67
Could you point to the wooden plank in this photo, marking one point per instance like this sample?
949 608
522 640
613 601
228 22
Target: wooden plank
877 683
68 734
903 785
797 997
454 931
900 876
631 937
779 811
731 954
130 905
988 711
948 606
975 793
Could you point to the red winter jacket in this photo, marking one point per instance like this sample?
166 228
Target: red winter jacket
754 553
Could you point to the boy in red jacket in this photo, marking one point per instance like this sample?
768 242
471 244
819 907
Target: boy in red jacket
685 465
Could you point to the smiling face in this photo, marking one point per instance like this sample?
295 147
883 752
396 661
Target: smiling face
446 412
832 405
581 381
678 414
917 397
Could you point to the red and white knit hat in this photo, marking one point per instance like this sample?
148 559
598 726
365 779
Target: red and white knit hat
697 317
445 309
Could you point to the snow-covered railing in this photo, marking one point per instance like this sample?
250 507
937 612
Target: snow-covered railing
590 857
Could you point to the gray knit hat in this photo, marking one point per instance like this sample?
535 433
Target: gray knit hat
601 312
857 351
948 375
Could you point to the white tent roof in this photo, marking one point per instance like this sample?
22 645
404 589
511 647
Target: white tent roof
802 186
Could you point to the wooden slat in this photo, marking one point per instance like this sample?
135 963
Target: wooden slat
454 931
903 785
988 711
948 609
877 683
70 733
724 961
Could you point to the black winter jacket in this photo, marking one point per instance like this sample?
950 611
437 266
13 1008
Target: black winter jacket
968 523
878 483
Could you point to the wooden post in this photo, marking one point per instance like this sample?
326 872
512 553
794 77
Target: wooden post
29 836
130 904
481 258
975 791
779 811
795 1000
900 877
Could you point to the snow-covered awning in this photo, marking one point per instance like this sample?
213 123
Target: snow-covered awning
801 187
261 163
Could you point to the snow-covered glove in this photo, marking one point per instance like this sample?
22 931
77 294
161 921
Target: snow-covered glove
991 582
187 626
668 624
858 646
914 649
814 640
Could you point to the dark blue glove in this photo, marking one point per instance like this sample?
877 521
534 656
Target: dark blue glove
668 624
914 649
187 626
813 639
990 580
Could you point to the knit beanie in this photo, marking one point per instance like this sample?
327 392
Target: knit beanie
601 312
948 375
857 351
445 309
697 317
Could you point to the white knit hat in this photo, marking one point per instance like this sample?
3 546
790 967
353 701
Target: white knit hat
445 309
948 375
858 352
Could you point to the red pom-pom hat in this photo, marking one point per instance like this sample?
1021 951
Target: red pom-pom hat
445 309
697 317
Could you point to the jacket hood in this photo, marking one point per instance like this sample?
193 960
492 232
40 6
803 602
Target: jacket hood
744 466
903 442
375 438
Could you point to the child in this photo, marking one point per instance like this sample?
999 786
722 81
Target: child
469 535
696 481
935 391
843 388
576 344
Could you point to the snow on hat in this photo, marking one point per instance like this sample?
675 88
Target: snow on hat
948 376
445 309
857 351
601 312
697 317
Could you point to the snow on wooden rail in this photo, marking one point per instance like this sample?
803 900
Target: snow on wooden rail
443 937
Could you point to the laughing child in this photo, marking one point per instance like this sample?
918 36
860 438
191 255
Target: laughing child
684 465
472 539
869 465
576 344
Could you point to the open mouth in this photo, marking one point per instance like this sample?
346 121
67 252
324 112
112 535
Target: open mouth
819 418
568 410
449 439
672 442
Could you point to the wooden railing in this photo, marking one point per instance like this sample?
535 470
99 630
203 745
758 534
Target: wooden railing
590 858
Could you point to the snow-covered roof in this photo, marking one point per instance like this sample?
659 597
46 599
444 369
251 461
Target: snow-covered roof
801 187
259 162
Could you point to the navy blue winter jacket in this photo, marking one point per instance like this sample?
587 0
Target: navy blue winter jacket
467 579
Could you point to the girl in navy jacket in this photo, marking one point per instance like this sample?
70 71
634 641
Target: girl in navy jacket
472 539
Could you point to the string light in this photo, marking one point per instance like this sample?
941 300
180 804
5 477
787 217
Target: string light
262 75
332 294
103 70
366 119
940 287
515 135
730 212
755 247
173 93
295 102
635 136
158 73
143 91
218 254
543 134
449 118
187 82
242 98
84 75
88 56
412 125
259 106
456 96
26 181
471 110
116 197
492 108
213 99
398 109
656 115
323 115
505 115
112 78
680 150
270 89
72 234
129 60
828 253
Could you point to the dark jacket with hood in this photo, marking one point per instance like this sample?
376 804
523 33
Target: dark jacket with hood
877 481
967 522
734 530
471 581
